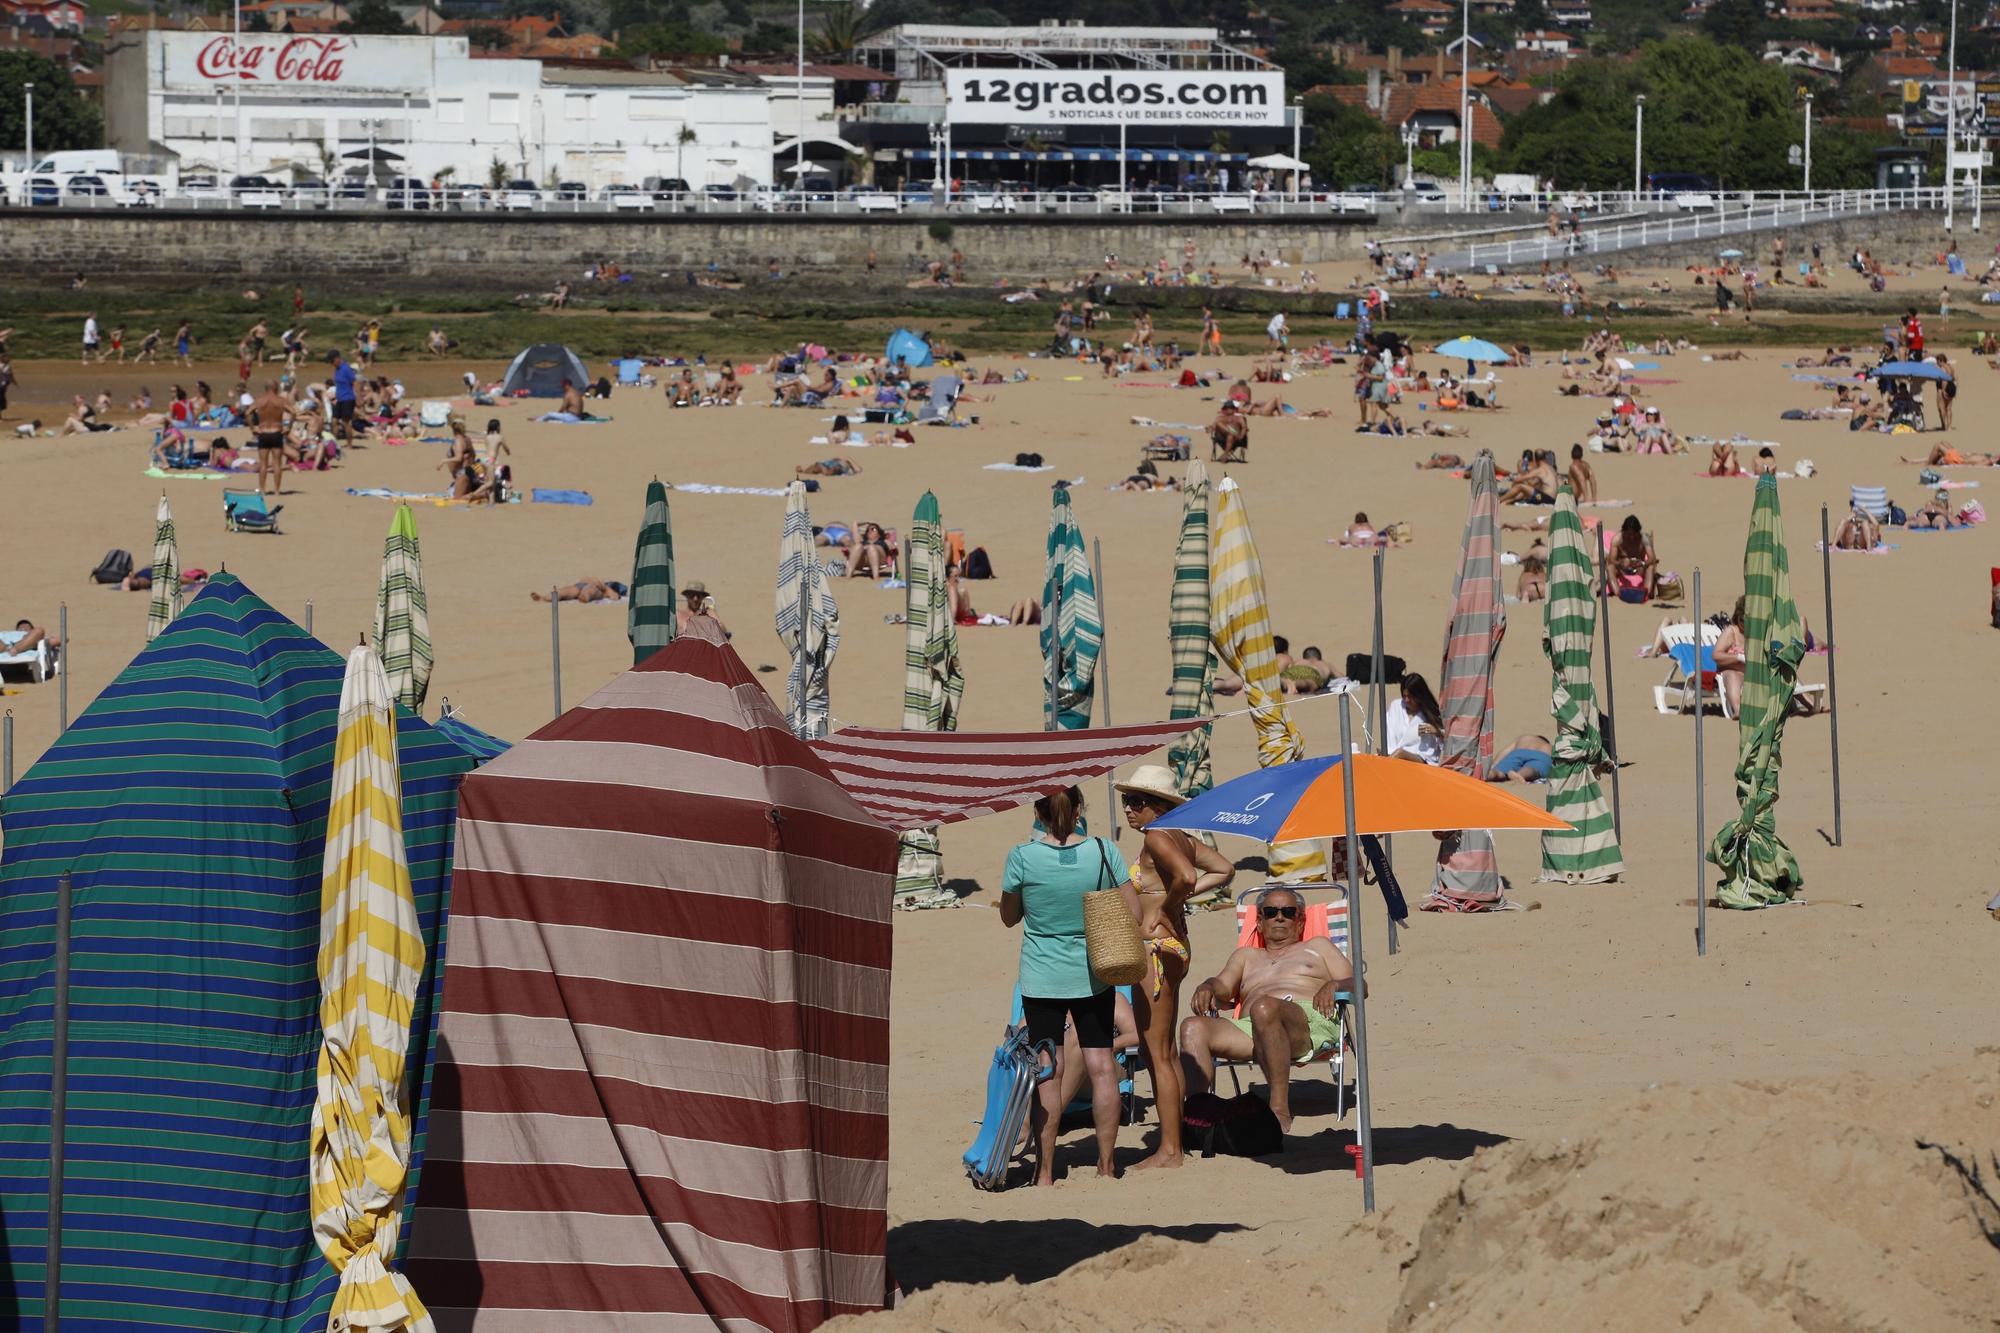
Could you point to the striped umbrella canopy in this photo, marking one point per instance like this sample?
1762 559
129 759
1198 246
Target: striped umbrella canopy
166 603
1468 870
1192 693
1587 852
1240 630
933 682
371 961
402 613
808 620
1075 636
649 612
1758 869
189 801
478 744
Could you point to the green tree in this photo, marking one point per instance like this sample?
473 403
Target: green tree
1349 146
668 39
841 28
375 17
1735 22
770 39
63 120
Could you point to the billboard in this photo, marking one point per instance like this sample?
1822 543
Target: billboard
1113 97
203 62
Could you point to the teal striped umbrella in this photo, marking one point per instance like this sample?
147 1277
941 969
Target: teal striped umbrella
808 620
166 603
1586 852
1758 869
649 612
1075 634
402 614
933 682
1192 693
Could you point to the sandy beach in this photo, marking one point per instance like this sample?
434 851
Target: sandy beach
1586 1019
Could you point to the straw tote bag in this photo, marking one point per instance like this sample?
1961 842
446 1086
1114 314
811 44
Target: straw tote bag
1110 935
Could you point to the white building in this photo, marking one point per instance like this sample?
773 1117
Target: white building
267 103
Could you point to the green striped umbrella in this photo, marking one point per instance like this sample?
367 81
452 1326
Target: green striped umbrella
932 683
1587 852
1758 870
649 612
1192 694
402 614
166 603
1076 634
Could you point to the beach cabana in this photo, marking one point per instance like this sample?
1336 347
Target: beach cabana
663 1097
912 349
188 803
539 372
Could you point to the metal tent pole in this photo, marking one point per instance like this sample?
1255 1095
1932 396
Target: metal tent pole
7 752
1381 691
1700 791
1832 699
58 1110
555 647
1052 617
1364 1132
309 615
1609 711
1104 674
62 669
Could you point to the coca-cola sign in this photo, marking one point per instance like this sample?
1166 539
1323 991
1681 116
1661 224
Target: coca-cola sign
282 63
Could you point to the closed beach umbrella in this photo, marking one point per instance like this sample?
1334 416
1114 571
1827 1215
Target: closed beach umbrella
1074 634
402 614
933 683
1192 694
649 614
1240 630
808 620
1586 853
371 956
1758 870
166 603
1468 871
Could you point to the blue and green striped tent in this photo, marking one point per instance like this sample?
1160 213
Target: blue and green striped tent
188 803
480 745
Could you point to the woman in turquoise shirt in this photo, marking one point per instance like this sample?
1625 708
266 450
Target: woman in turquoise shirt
1042 892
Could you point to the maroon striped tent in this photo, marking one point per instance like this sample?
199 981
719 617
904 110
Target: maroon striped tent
662 1084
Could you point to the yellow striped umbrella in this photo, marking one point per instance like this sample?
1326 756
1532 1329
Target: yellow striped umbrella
1240 628
370 956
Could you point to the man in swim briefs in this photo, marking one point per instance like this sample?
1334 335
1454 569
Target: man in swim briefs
268 417
1284 990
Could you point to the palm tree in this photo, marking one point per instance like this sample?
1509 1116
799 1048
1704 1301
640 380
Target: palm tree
842 26
686 137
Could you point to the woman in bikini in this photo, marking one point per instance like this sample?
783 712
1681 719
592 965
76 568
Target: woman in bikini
1173 866
1634 563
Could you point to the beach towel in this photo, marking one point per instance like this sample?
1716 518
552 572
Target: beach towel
572 419
544 496
384 493
1604 504
1016 467
1880 548
1955 527
184 475
703 488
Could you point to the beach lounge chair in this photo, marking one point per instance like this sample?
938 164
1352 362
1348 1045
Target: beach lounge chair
434 414
1676 693
39 663
1871 500
1180 450
1324 920
244 511
630 369
944 397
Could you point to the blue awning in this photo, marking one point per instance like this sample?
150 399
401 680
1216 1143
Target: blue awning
1080 155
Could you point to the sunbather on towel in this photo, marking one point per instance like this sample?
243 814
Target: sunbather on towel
1944 455
587 590
1858 531
829 467
1527 760
1936 514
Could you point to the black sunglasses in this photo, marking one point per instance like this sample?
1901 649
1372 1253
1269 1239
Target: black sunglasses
1132 800
1289 913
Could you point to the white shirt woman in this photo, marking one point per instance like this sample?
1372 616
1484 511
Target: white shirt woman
1407 735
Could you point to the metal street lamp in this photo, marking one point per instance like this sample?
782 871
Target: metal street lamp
1809 143
1638 148
1951 118
1298 119
1465 112
1409 156
29 165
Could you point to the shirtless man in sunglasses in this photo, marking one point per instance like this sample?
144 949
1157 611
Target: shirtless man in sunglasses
1285 992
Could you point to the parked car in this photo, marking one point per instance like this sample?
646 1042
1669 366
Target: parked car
815 190
353 189
721 194
571 192
920 194
517 196
465 198
1426 192
256 192
86 187
1352 201
408 192
626 198
667 189
311 192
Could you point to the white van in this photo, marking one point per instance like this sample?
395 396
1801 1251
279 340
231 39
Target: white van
97 161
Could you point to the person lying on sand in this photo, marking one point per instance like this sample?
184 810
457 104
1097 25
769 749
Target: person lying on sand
1284 989
29 636
1533 584
1440 463
1936 514
1527 760
1944 455
828 467
587 590
1360 533
1831 359
870 547
1733 354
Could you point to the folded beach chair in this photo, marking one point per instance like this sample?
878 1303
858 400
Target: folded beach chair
1325 920
1128 1063
244 511
629 370
1871 500
1180 450
39 663
1342 311
434 415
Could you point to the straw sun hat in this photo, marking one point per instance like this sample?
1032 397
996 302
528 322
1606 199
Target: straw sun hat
1153 780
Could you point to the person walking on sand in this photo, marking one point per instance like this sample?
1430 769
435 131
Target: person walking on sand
1042 891
90 337
184 342
1211 333
1173 867
343 398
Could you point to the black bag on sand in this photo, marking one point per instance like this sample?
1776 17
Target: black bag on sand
1360 668
978 564
113 568
1243 1126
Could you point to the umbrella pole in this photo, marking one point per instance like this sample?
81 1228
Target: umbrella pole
555 646
1608 712
801 660
1380 691
58 1111
1364 1128
7 753
1104 671
1052 616
309 616
62 670
1700 805
1832 713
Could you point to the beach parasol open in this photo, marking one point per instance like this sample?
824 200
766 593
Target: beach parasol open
166 603
402 613
1758 869
1072 628
1468 870
1909 370
1240 630
808 620
649 618
371 956
1473 349
1587 852
933 683
1193 690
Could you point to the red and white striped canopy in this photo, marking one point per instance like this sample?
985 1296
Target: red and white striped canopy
662 1079
911 779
